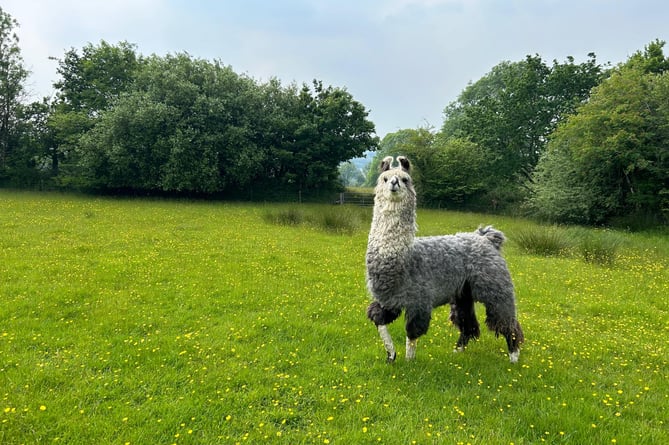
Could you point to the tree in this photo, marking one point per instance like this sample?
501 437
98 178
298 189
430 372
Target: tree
12 78
325 127
510 112
190 125
392 144
561 192
183 127
614 149
34 159
460 174
89 83
350 175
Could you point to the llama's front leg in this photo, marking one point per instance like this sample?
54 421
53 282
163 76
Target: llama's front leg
381 317
417 324
387 343
411 348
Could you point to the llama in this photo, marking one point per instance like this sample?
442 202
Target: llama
417 274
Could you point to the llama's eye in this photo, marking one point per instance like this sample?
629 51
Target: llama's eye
385 179
405 180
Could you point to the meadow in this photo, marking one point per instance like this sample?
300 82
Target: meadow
138 321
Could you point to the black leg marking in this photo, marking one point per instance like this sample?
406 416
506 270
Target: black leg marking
381 316
417 322
514 336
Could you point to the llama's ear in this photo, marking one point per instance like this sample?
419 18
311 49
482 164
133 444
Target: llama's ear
386 163
404 162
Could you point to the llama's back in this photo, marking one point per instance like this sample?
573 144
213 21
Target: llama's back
442 264
439 267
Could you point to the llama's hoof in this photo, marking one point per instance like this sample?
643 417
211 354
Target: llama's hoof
459 349
391 357
514 356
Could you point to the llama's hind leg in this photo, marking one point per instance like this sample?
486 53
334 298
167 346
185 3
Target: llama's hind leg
514 337
463 316
506 324
381 317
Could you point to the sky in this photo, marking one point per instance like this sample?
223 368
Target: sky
404 60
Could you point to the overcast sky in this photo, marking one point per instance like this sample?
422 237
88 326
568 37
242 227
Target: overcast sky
404 60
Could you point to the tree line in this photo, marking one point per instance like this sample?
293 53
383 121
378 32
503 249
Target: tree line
571 143
121 121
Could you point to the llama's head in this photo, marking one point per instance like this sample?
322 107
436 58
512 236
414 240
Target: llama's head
394 183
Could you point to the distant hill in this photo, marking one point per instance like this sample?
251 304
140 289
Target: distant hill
362 162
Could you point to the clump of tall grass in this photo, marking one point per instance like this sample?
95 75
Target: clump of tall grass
544 241
285 217
599 247
593 246
339 220
342 220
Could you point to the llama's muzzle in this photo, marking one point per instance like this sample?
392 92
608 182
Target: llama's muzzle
394 184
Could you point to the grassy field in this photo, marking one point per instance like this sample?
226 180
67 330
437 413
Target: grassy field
161 322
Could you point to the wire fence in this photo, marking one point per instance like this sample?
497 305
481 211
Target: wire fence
356 198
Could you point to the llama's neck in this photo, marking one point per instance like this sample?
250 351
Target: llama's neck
389 250
393 229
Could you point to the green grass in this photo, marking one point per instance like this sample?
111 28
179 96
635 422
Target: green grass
149 321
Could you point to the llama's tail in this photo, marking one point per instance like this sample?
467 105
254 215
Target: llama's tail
493 235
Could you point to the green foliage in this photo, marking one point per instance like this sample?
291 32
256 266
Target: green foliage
561 192
189 125
510 112
326 128
121 121
446 171
457 172
651 60
493 135
89 82
609 159
147 321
